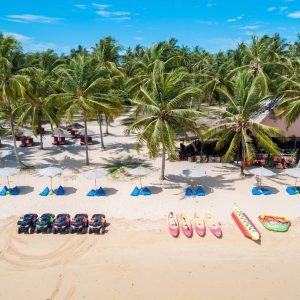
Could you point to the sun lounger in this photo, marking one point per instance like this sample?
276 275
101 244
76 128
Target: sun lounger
45 192
60 191
291 190
266 191
145 191
15 191
256 191
4 191
189 192
100 192
200 191
135 192
91 193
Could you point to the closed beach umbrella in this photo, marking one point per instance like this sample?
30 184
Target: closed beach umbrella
194 173
97 174
51 172
261 172
6 172
295 172
139 172
60 132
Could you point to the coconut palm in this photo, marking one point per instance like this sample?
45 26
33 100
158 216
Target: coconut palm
238 126
161 112
12 85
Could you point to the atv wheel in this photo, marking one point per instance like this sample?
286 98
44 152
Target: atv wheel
18 230
84 230
70 230
31 230
49 230
90 231
37 231
54 231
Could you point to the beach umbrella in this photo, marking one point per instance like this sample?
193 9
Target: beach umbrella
139 172
194 173
294 172
76 126
97 174
51 172
7 172
60 132
261 172
24 132
82 132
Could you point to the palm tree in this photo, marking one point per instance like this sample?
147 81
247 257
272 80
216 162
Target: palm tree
161 112
81 83
238 127
12 85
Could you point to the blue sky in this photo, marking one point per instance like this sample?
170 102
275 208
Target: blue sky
211 24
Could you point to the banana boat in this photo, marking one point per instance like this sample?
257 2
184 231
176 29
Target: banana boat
245 225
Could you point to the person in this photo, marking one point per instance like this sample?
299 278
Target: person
103 220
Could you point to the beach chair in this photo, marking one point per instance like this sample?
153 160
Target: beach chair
256 191
292 190
200 191
100 192
266 191
91 193
189 192
60 191
45 192
135 192
145 191
4 191
15 191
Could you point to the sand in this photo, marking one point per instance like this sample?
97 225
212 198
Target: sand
137 258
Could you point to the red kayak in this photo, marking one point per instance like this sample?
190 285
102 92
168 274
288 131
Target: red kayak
173 225
186 226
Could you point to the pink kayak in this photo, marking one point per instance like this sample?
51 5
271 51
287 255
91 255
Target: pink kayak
213 225
186 226
199 224
173 225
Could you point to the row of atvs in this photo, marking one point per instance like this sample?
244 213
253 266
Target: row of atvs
62 223
270 222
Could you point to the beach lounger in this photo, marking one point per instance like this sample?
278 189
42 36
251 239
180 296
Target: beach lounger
293 190
266 191
100 192
91 193
135 192
15 191
256 191
4 191
189 192
60 191
145 191
200 191
45 192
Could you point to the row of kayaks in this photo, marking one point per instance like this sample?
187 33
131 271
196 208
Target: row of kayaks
199 224
271 222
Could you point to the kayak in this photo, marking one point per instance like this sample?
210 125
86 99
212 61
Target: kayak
213 225
245 224
199 224
186 226
173 225
275 223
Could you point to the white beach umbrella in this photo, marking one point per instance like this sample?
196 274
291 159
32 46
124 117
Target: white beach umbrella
6 172
97 174
51 172
82 132
261 172
194 173
139 172
294 172
60 132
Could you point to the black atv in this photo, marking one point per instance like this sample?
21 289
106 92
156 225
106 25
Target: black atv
27 223
80 223
97 224
45 223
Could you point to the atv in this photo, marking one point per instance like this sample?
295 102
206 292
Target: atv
27 223
45 223
97 224
61 223
80 223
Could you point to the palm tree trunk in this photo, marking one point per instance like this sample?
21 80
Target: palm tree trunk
87 162
243 158
163 164
41 135
107 123
12 126
100 127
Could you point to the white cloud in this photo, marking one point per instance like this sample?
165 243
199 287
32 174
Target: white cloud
101 6
81 6
203 22
27 18
18 36
108 14
279 9
120 19
138 38
294 15
234 19
250 27
271 8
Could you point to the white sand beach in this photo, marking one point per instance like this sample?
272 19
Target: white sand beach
125 262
